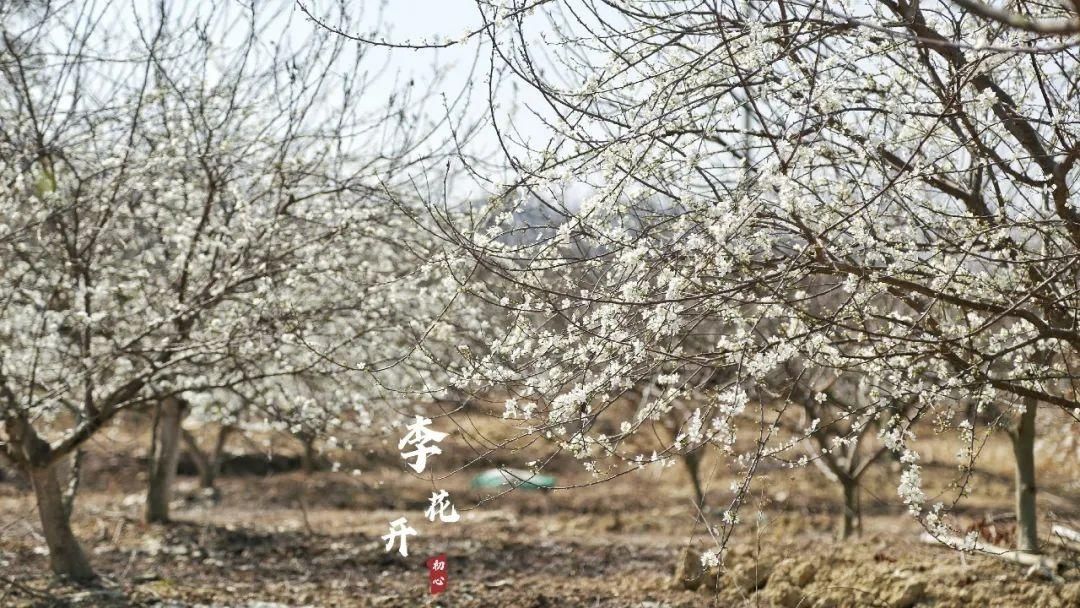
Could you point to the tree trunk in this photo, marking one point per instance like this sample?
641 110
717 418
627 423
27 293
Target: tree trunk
692 460
35 457
209 465
218 454
1023 444
202 461
165 454
309 459
848 524
66 556
74 477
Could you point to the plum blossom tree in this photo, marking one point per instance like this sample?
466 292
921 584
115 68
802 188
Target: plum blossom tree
902 173
185 191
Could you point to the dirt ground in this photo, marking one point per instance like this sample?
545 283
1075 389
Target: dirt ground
293 539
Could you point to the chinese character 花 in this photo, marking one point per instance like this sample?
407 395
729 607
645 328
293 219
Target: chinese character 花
439 506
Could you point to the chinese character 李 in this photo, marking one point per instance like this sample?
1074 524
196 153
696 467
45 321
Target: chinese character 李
439 506
420 435
399 528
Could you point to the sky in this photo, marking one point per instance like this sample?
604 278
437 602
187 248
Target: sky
414 20
442 77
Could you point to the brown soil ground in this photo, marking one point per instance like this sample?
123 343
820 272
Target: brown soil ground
292 539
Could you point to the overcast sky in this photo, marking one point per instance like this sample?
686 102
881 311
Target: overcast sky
450 69
420 19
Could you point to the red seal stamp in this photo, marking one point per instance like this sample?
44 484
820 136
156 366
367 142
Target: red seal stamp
438 574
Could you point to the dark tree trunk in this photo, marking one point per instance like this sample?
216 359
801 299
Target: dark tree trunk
850 523
66 556
1023 444
165 454
202 461
35 457
692 460
309 460
218 454
209 465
